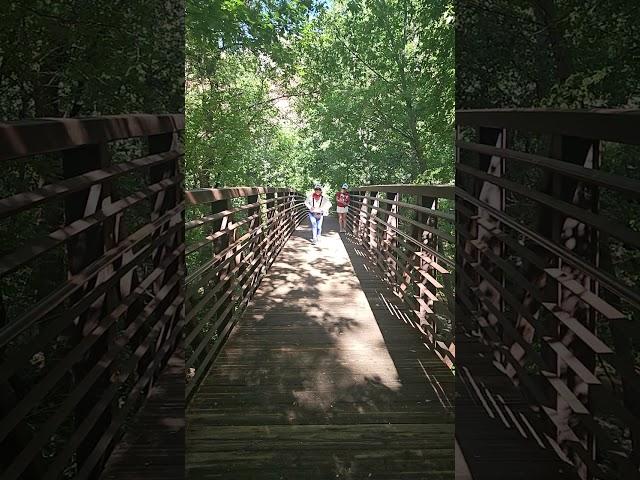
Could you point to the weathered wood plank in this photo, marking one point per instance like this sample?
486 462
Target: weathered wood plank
322 378
153 446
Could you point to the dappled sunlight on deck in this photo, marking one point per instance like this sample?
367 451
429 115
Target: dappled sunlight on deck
322 374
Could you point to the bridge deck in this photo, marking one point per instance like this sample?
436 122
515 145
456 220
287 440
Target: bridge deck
504 446
153 446
321 378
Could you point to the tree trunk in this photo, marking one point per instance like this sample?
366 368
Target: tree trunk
546 12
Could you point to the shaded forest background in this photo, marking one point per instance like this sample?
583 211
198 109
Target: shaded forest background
71 58
547 53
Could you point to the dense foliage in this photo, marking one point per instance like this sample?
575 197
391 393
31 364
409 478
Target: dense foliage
69 58
293 92
553 53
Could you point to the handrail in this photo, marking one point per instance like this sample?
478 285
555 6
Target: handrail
207 195
537 278
234 235
613 125
35 137
104 236
435 191
408 235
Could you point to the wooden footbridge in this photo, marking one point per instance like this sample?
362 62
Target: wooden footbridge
148 332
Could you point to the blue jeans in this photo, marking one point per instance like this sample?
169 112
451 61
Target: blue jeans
316 225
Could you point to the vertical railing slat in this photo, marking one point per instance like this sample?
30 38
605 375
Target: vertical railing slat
82 250
248 260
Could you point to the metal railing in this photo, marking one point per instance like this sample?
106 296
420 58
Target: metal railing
91 260
547 205
233 237
545 238
407 231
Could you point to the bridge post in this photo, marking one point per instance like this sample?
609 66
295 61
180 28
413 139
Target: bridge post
277 213
270 223
257 237
284 203
381 252
165 201
363 219
292 210
280 203
390 238
218 245
351 220
481 228
82 250
269 203
381 209
429 239
467 303
372 233
222 242
584 240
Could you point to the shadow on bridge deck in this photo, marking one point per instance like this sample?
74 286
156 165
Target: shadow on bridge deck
321 378
153 446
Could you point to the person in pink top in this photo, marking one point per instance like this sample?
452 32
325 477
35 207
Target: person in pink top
342 200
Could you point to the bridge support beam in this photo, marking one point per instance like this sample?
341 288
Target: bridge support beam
82 250
165 201
584 241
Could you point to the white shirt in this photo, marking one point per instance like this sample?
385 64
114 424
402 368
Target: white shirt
323 204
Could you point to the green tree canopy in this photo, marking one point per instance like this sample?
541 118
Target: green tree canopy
288 93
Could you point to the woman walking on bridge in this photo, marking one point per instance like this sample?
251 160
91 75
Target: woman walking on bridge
342 200
318 206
